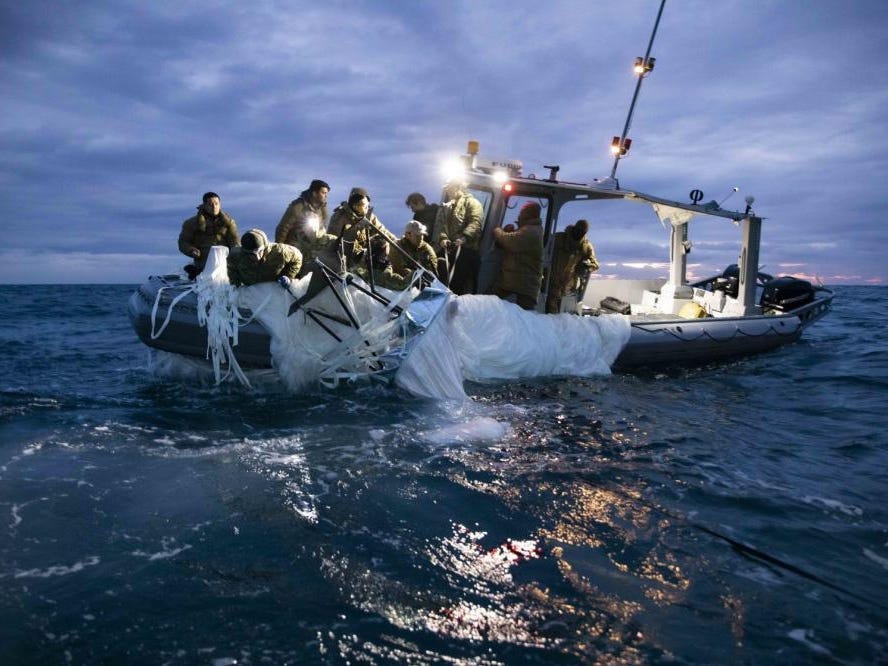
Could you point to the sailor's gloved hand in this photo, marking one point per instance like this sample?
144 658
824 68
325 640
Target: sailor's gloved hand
459 241
195 253
284 281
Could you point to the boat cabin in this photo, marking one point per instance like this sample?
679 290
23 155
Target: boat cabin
502 189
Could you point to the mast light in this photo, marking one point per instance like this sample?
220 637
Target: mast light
644 65
618 148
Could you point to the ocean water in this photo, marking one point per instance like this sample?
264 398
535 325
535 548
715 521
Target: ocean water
734 513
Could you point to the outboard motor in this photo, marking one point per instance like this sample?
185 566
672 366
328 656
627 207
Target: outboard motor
786 294
729 282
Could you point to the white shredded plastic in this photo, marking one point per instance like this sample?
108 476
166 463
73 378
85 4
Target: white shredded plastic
217 311
479 338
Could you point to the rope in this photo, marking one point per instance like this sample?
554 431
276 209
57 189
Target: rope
166 321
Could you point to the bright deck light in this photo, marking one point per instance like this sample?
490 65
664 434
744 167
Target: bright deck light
453 170
500 177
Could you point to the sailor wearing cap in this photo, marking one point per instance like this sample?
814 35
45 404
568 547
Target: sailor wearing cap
414 251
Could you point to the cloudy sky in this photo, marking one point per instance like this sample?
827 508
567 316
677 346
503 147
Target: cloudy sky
117 116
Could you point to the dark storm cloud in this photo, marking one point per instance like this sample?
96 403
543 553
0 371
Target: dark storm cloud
117 116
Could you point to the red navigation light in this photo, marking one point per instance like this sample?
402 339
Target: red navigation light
626 145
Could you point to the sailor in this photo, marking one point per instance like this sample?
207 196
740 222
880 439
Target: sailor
211 226
413 247
354 222
573 258
257 260
422 211
522 269
383 274
312 201
457 235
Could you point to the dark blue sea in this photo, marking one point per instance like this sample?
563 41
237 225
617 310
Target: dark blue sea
729 514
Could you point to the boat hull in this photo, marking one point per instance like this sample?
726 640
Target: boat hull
653 341
182 334
683 342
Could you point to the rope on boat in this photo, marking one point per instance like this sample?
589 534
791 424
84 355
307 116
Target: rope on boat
166 321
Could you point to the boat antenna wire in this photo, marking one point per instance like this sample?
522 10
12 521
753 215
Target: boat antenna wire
646 67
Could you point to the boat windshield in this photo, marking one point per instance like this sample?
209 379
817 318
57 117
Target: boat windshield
485 197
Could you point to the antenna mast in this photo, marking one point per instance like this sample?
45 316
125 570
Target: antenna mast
643 66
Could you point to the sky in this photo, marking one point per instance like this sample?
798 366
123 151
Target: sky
116 116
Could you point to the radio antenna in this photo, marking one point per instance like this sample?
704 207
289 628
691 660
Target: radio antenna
643 66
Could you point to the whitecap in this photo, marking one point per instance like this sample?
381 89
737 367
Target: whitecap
804 636
882 561
164 554
834 505
60 569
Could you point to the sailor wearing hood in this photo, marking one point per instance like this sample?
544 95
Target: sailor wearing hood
572 257
521 272
257 260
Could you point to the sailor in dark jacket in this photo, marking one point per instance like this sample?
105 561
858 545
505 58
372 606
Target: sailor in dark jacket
572 257
211 226
257 260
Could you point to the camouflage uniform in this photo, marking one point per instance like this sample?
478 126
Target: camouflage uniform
277 259
567 254
347 224
294 217
423 255
202 232
459 218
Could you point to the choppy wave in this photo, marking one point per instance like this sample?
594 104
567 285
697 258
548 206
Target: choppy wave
727 513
